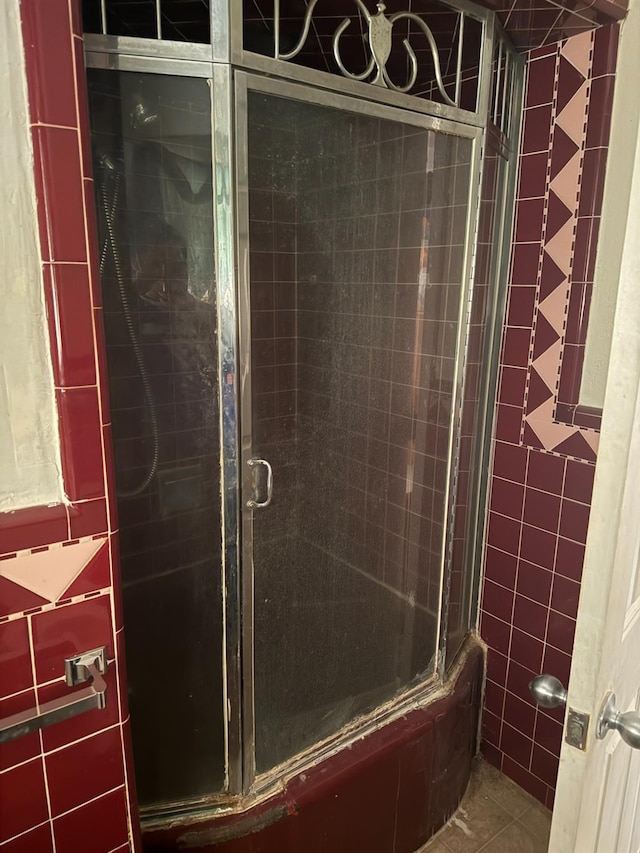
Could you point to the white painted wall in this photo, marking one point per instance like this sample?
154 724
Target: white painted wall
30 470
625 127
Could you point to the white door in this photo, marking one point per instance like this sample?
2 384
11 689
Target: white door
597 801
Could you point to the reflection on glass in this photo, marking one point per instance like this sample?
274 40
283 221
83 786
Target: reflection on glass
357 230
152 146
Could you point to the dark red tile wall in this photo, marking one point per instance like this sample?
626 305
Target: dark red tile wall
68 787
543 467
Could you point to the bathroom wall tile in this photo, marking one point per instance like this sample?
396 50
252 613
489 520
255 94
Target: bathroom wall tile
68 630
530 617
536 129
578 483
94 576
548 734
525 648
565 596
49 58
559 663
546 472
569 559
510 461
605 52
498 601
81 443
497 667
516 347
503 533
534 582
23 748
560 632
507 498
15 598
524 263
78 827
33 527
508 423
69 309
518 679
84 770
600 107
540 80
88 518
83 112
20 812
519 715
539 546
15 657
501 567
38 840
544 764
574 520
61 191
516 745
495 633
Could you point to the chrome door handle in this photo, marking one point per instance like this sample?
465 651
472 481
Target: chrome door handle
254 504
627 725
547 691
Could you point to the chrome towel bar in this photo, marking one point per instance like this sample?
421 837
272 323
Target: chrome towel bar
88 666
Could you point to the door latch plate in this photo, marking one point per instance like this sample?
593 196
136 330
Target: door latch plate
577 728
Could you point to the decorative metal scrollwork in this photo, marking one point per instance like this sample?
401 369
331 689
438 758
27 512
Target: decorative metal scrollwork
379 37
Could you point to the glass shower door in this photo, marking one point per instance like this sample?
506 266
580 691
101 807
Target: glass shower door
357 230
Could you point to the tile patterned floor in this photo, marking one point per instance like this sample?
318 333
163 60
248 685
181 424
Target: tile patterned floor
495 816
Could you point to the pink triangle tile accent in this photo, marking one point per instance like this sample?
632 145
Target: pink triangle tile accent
558 214
545 337
577 51
49 573
559 246
565 184
530 439
96 574
548 365
575 445
555 305
538 392
551 278
592 438
563 150
572 117
569 81
548 431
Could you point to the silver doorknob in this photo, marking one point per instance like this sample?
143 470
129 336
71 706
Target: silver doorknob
628 724
547 691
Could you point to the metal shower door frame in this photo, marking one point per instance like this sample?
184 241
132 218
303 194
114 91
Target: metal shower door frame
229 93
245 82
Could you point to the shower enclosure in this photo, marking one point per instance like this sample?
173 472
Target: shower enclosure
301 215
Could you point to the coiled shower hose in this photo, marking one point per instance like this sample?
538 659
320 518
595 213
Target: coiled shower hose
110 205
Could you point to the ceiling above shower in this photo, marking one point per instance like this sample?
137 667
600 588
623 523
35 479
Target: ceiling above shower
529 23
